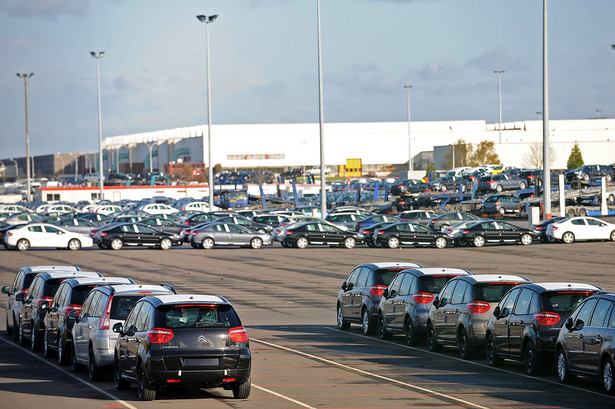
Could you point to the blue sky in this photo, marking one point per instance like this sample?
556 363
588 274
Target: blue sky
264 63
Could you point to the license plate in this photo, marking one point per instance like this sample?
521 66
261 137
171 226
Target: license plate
201 362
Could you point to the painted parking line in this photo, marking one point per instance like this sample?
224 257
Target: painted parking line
374 375
279 395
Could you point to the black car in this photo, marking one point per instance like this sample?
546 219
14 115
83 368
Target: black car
195 340
496 232
116 178
360 293
368 233
394 235
199 218
375 219
58 322
43 288
135 234
588 173
525 324
445 220
407 186
292 173
320 233
97 218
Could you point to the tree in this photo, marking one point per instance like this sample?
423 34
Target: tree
575 159
534 158
485 154
462 152
430 168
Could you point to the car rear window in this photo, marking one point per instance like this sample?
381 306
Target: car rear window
433 284
491 292
198 316
122 304
563 301
28 280
79 294
51 287
385 276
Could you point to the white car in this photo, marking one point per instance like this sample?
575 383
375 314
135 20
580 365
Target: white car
158 208
37 235
316 171
581 228
107 209
200 206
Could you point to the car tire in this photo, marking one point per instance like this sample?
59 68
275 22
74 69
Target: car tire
95 372
607 372
393 242
530 359
21 339
370 243
499 188
75 366
302 242
207 243
350 242
613 235
463 344
432 342
242 390
410 333
35 341
563 371
116 243
502 211
47 352
491 352
256 243
444 227
342 324
63 352
145 390
121 384
22 245
522 186
367 322
9 330
568 237
74 244
526 239
478 241
382 328
440 242
166 244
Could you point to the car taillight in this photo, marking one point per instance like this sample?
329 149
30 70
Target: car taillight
423 298
401 202
433 221
71 307
531 177
40 301
497 203
194 233
238 334
9 233
491 182
103 234
377 290
553 227
465 232
92 233
449 231
105 318
365 232
159 335
478 307
538 227
289 233
546 318
187 223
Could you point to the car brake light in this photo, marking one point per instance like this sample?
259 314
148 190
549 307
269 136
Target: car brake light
71 307
187 223
546 318
9 233
553 227
173 380
478 307
159 335
423 298
497 203
377 290
229 379
105 318
538 227
365 232
40 301
491 182
194 233
238 334
103 234
289 233
465 232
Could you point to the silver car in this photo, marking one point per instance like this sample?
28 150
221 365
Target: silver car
228 234
93 339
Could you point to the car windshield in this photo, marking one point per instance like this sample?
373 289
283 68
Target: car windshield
491 292
198 315
385 276
433 284
563 301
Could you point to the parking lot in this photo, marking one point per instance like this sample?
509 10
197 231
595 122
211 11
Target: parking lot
286 299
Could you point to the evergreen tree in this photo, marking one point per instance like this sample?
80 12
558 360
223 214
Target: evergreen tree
575 159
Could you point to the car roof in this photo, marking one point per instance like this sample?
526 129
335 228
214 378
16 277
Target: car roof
493 278
438 271
563 286
99 280
188 299
69 274
389 264
126 289
46 269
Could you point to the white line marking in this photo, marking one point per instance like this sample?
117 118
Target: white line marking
386 378
279 395
65 372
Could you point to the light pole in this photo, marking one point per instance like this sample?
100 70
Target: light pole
150 146
453 136
598 112
16 168
100 150
546 166
28 184
210 177
323 181
409 137
499 72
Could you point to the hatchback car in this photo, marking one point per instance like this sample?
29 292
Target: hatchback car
502 205
526 323
461 311
195 340
496 232
572 229
587 173
394 235
406 302
500 182
585 343
228 234
360 293
105 306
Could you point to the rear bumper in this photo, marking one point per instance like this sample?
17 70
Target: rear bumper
158 374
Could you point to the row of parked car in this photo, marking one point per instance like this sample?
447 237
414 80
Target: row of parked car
146 335
571 325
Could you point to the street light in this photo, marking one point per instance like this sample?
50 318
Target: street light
321 119
100 151
453 136
409 137
210 178
25 84
546 166
499 72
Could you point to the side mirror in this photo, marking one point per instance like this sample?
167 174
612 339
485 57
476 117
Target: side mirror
44 305
385 293
73 315
496 312
436 302
19 297
568 324
6 290
344 286
117 327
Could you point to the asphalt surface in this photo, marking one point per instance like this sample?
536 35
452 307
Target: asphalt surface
286 299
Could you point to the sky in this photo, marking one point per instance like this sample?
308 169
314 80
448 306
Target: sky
264 67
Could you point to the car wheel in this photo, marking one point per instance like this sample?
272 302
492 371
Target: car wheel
409 332
261 231
568 237
444 227
522 186
491 352
530 359
145 390
563 372
117 244
23 245
95 373
479 241
120 383
440 242
166 244
74 244
370 243
349 242
75 366
499 188
256 243
463 343
47 352
207 243
341 322
551 239
382 328
368 322
526 239
21 338
302 243
606 371
432 342
9 330
613 235
63 352
393 242
502 211
35 341
242 390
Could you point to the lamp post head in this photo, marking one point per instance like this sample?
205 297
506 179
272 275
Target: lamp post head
207 19
25 75
100 54
499 71
408 86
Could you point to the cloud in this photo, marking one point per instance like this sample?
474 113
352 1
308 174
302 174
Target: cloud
50 9
440 70
496 58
